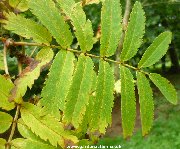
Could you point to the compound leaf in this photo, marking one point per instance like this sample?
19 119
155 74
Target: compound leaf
29 74
27 28
45 126
21 5
103 102
51 18
146 103
166 88
78 95
5 121
5 87
134 33
111 27
156 50
58 83
128 104
20 143
83 28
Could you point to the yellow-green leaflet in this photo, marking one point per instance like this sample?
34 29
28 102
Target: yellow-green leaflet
51 18
45 126
103 100
27 28
5 121
111 27
134 33
83 27
128 104
78 95
5 87
156 50
29 74
166 88
146 102
58 83
21 5
30 144
26 132
2 143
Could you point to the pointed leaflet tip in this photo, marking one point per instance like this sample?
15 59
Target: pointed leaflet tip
156 50
166 88
27 28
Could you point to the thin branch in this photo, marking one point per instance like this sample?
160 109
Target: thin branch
5 59
75 51
8 144
127 13
125 23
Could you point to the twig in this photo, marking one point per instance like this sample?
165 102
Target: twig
5 59
75 51
8 144
125 23
127 13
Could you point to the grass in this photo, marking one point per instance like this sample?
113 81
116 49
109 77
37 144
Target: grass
165 133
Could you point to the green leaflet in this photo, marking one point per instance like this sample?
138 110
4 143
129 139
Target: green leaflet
134 33
146 103
51 18
156 50
58 83
166 88
1 61
2 143
5 87
29 74
45 126
83 28
87 117
103 102
111 27
29 144
78 95
128 104
21 5
27 28
5 121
